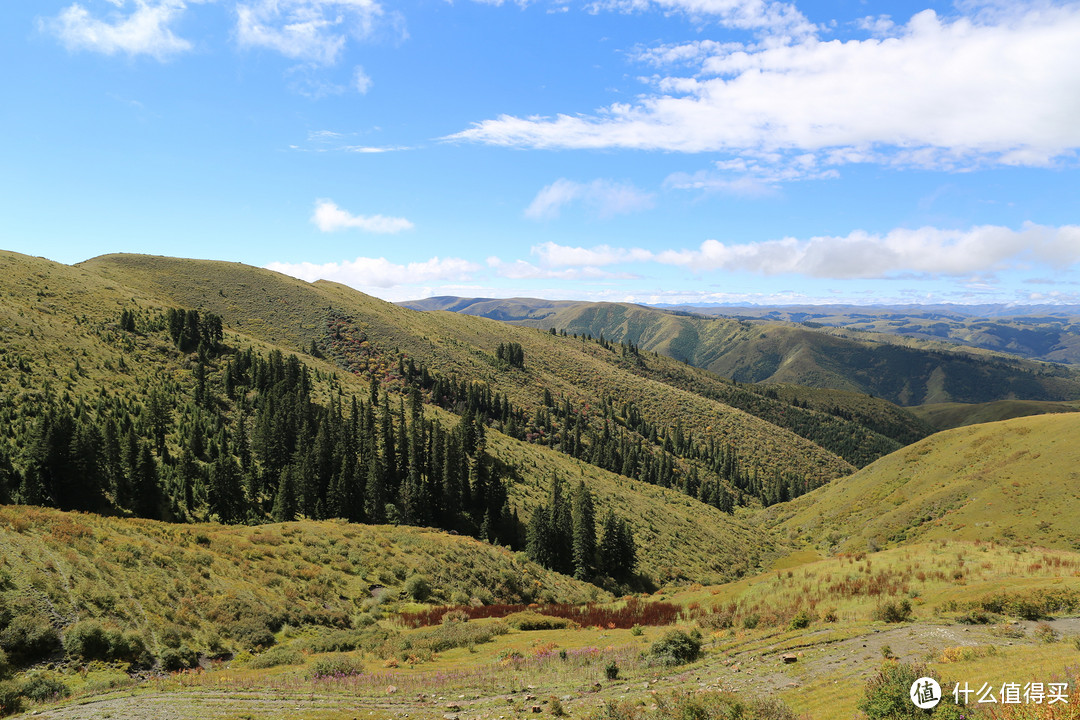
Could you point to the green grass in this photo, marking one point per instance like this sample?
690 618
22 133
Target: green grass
1011 482
944 416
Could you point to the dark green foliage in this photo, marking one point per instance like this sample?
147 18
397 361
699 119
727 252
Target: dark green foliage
29 637
510 355
44 686
676 647
887 695
893 611
176 659
611 670
618 552
418 588
583 516
11 700
251 634
801 621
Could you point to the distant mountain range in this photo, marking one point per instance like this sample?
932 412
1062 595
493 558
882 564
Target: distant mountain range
934 355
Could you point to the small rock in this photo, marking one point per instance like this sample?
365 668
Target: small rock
789 658
536 709
454 707
391 689
529 697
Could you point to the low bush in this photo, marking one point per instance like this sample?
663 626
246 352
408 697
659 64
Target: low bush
529 620
887 695
276 656
10 698
251 634
418 587
335 666
893 611
29 638
43 687
88 640
675 648
801 621
176 659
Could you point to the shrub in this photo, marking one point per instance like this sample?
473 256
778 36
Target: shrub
893 611
801 621
88 640
335 666
176 659
636 631
276 656
418 587
886 695
611 670
251 634
1045 632
751 621
5 666
29 638
454 616
675 648
341 640
44 686
719 706
10 698
529 620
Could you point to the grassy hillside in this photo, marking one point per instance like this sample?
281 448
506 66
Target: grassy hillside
903 370
278 309
212 586
63 346
1013 481
942 416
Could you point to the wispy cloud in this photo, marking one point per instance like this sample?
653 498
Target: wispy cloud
314 31
328 217
973 255
367 272
775 18
604 197
937 93
141 27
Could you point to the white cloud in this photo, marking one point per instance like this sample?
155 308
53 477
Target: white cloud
777 18
554 255
924 251
144 29
366 272
314 31
361 80
524 270
604 197
972 255
328 217
938 93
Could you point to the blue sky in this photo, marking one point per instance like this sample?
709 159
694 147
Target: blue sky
642 150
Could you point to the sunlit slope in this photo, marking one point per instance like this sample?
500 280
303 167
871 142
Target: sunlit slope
949 415
901 369
293 313
678 538
1011 481
205 580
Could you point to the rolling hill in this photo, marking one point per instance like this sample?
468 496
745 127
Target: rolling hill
65 347
903 370
1013 481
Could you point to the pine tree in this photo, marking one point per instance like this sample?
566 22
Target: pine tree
584 532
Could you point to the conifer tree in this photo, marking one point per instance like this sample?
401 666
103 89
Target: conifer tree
584 532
